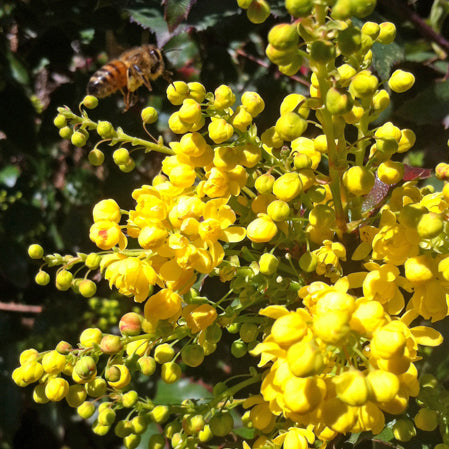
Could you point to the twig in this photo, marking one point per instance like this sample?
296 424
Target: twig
20 308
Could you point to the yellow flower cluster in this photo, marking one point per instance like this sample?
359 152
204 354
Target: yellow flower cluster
339 363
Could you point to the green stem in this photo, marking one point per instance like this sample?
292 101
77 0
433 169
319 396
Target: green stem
337 156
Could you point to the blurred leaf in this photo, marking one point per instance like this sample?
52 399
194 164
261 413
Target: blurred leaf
18 71
206 14
177 392
176 11
385 57
9 175
429 106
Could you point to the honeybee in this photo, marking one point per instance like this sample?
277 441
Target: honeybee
128 72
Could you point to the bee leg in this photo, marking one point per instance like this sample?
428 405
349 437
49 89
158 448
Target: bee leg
167 75
138 72
126 93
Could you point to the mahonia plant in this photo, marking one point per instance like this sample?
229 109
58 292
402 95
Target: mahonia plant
332 257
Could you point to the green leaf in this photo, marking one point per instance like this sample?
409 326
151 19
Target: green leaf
429 106
385 57
177 392
9 175
176 11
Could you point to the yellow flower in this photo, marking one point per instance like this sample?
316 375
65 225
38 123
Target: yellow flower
395 243
107 210
430 299
163 305
382 284
131 276
200 317
329 256
107 234
124 378
262 229
56 389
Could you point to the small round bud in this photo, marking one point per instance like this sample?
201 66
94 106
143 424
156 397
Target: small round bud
149 115
258 11
60 121
221 424
321 52
283 35
128 167
164 353
244 4
121 156
132 441
401 81
404 430
111 344
430 225
105 129
426 419
87 288
248 332
156 441
387 33
86 410
278 210
290 125
64 280
177 92
160 414
79 138
358 180
131 324
299 8
170 372
66 132
42 278
390 172
92 261
96 157
238 348
90 102
268 264
308 262
130 398
192 355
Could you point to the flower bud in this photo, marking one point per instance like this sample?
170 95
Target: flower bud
305 358
268 264
149 115
430 225
90 102
358 180
163 353
35 251
387 33
426 419
192 355
338 101
96 387
170 372
79 138
111 344
278 210
404 430
177 92
64 280
401 81
96 157
258 11
85 368
131 324
221 424
56 389
160 414
105 130
290 125
86 410
42 278
299 8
